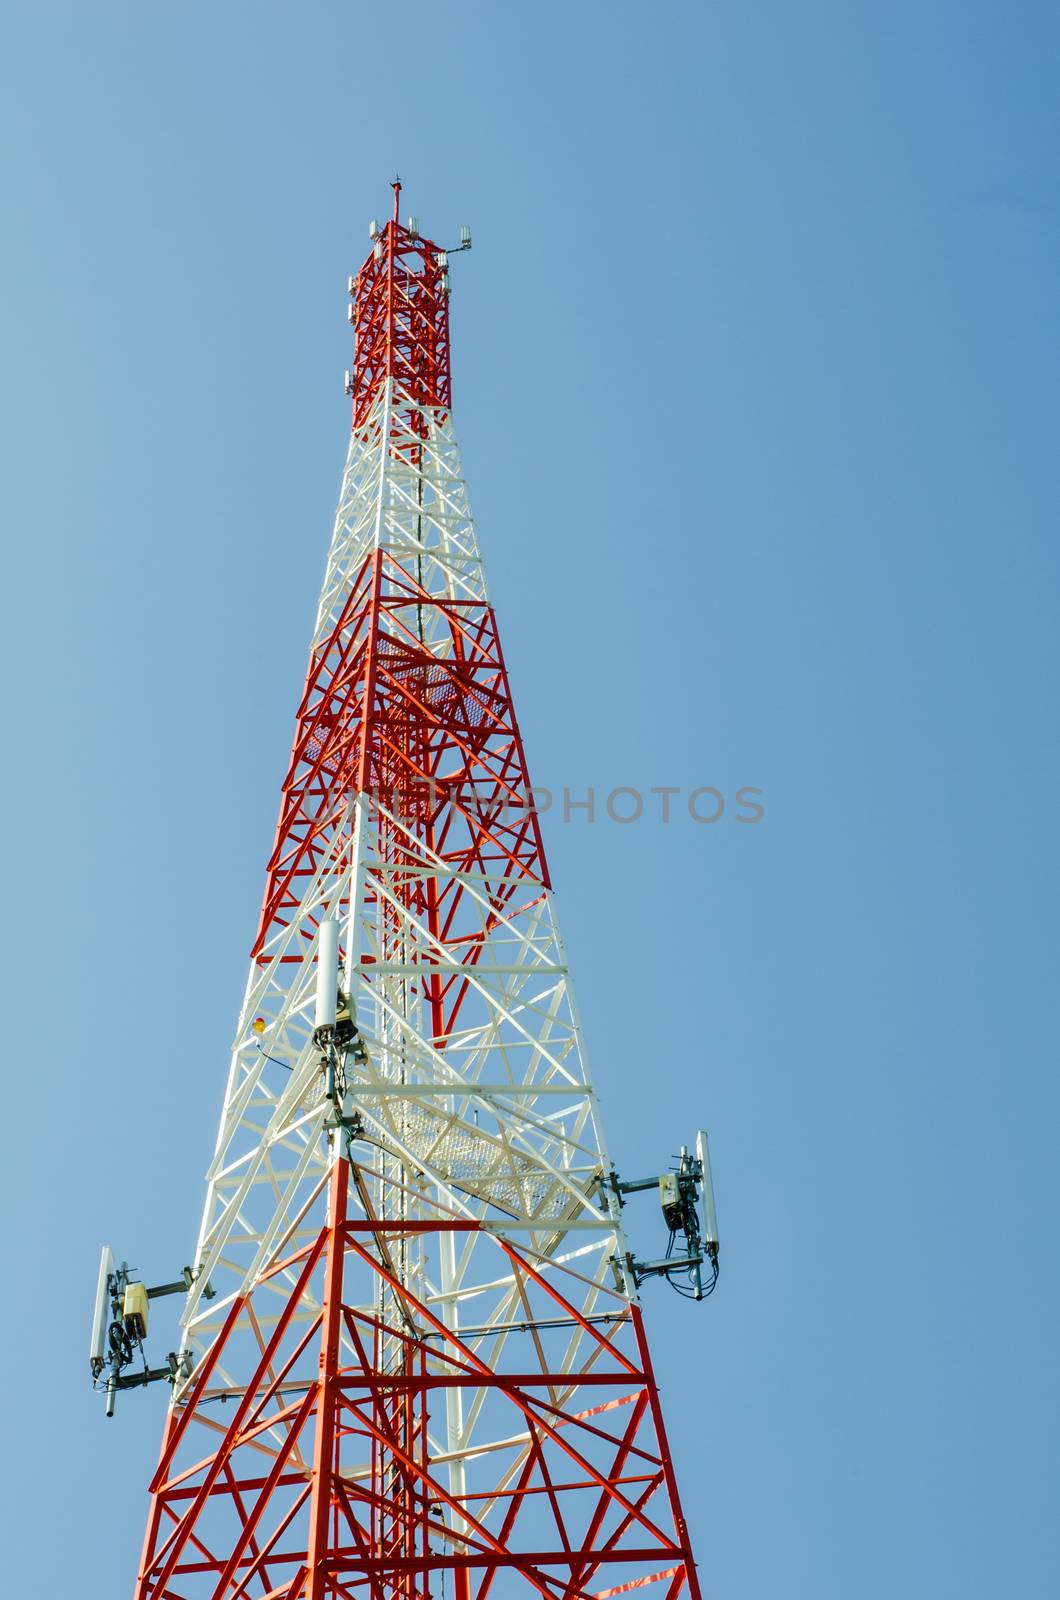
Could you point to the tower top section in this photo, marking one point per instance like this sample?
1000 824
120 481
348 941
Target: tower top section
400 316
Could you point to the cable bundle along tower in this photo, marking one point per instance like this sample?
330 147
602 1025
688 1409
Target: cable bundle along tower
412 1362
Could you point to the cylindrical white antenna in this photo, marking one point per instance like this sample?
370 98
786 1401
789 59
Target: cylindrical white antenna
101 1313
327 974
710 1215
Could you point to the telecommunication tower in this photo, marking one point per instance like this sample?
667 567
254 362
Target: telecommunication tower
412 1363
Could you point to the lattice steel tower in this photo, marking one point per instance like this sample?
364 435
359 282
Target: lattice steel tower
421 1371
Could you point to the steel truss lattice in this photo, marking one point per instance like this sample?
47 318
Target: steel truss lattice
424 1364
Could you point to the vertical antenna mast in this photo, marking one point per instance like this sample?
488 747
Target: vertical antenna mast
421 1370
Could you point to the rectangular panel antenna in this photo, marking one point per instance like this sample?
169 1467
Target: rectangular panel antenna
327 974
710 1215
101 1313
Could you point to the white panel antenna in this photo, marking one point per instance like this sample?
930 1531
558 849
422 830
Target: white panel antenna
327 975
101 1313
710 1215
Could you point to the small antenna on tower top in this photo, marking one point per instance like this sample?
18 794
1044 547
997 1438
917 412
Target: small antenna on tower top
396 186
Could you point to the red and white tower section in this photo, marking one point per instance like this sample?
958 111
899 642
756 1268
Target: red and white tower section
413 1363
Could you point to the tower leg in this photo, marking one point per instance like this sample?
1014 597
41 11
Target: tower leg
320 1508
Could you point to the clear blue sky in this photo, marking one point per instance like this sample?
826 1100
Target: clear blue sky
756 376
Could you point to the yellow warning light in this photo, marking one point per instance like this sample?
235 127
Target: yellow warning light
258 1025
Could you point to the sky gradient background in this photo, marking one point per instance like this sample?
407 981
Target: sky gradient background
756 378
